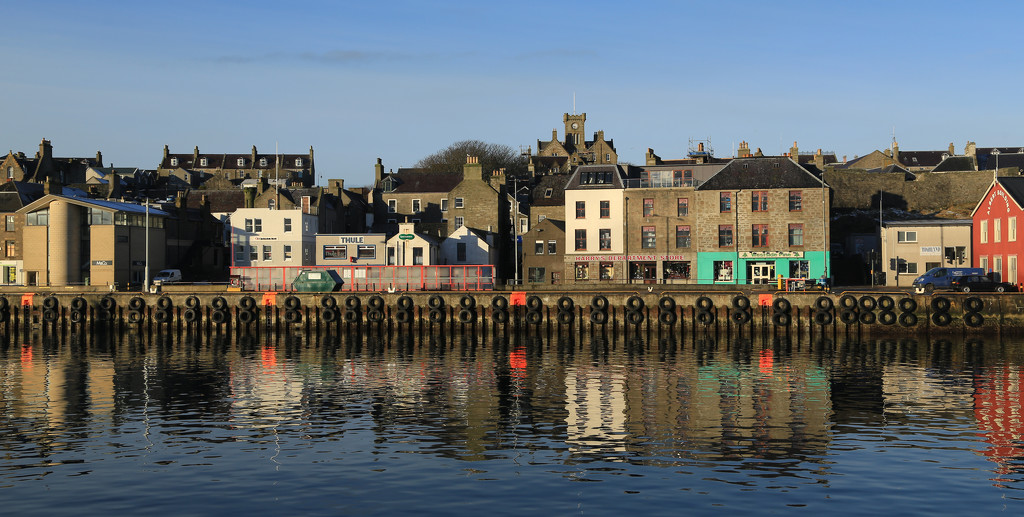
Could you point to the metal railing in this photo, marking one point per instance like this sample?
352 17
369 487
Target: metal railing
370 278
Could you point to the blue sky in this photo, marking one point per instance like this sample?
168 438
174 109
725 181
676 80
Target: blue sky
401 79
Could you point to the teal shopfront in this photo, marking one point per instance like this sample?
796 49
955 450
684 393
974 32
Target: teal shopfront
759 267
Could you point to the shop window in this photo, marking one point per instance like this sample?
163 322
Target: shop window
582 271
676 270
607 270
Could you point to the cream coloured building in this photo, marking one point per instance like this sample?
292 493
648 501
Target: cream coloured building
594 218
909 248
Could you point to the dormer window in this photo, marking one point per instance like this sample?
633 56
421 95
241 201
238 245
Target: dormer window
203 162
263 162
547 192
174 162
241 162
298 162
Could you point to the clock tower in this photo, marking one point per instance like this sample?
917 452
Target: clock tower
574 129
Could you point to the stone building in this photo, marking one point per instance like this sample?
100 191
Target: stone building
412 196
761 218
19 167
543 253
562 156
294 168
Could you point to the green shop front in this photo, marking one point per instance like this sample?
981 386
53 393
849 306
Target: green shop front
759 267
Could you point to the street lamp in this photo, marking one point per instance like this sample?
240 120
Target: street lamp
995 152
515 225
145 282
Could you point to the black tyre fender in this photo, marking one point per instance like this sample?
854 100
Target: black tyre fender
908 305
667 318
867 303
467 302
219 316
218 303
328 302
739 316
599 303
823 303
566 304
848 316
190 315
847 301
499 303
887 317
823 318
973 319
353 302
667 304
163 303
467 315
781 305
534 303
740 302
598 317
51 303
867 318
566 317
634 317
940 304
292 303
973 304
704 303
435 302
781 319
405 303
634 303
534 318
136 304
108 303
908 319
78 304
941 319
886 303
705 317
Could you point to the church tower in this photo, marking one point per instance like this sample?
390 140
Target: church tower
574 133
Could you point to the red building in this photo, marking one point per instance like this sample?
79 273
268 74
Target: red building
995 242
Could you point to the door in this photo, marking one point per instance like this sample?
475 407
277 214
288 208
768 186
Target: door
762 272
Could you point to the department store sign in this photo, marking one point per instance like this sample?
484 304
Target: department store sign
770 254
628 258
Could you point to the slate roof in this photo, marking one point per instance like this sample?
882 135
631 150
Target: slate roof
955 164
582 172
221 201
1014 186
1006 160
555 182
230 161
930 222
921 158
419 180
761 173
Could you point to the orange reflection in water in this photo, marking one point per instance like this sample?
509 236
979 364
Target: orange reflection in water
517 361
997 407
26 357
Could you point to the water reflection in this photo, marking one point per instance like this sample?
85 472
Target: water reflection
770 414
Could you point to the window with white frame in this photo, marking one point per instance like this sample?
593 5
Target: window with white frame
367 251
287 251
174 163
392 206
459 221
203 162
298 162
415 206
267 253
248 225
444 205
459 203
997 230
1011 229
335 252
263 162
984 232
287 224
253 254
257 225
903 236
241 162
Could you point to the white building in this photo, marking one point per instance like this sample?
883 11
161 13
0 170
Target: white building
594 217
269 237
466 246
408 248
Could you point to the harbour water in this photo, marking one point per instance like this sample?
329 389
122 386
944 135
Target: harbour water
455 425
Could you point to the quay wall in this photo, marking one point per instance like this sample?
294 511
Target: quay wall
665 310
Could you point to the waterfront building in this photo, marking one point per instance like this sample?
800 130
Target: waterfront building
761 218
469 246
273 237
367 249
909 248
200 167
995 243
561 157
595 221
543 253
411 248
80 241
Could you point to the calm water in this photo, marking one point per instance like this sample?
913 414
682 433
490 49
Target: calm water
458 426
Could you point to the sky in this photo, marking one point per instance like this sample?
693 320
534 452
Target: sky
399 80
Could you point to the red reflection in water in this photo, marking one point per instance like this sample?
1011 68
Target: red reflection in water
766 360
517 361
268 357
26 357
997 407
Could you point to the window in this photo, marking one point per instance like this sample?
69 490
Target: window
1011 230
722 270
271 204
796 235
906 236
724 235
96 216
759 235
366 251
582 271
997 230
257 225
298 162
459 202
39 218
676 270
538 247
460 251
606 209
392 206
581 209
203 162
552 247
266 253
392 256
581 240
263 162
682 207
648 237
683 236
248 225
759 201
984 232
604 238
444 205
524 225
796 200
648 207
984 264
417 256
241 162
548 192
287 249
287 224
253 256
11 248
416 206
174 163
535 275
799 269
928 266
606 270
239 252
459 221
335 252
688 178
725 202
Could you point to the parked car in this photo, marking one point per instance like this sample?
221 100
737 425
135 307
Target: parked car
167 276
942 278
980 283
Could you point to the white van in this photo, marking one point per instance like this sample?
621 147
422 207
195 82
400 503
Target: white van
167 276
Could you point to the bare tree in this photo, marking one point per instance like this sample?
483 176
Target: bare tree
492 157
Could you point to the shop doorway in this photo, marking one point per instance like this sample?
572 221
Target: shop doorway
643 272
761 272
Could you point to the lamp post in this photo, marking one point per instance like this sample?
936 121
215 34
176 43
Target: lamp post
995 173
515 226
145 282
